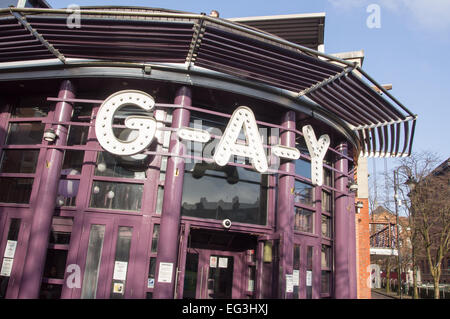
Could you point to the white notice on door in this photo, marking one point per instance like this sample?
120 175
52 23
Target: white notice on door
309 278
213 261
289 283
223 262
165 272
6 267
120 270
10 249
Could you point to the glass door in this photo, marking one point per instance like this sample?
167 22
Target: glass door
108 249
12 253
214 274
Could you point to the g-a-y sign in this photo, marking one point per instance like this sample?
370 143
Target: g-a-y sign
242 119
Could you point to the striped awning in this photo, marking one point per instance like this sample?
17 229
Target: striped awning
384 126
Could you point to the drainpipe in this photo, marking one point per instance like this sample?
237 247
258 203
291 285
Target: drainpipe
45 205
342 227
285 209
171 211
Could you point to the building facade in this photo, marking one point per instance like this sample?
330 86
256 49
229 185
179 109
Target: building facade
161 154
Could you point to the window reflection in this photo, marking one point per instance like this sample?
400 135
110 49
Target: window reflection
19 161
303 168
31 106
304 220
123 196
229 192
326 226
25 133
116 166
304 193
15 190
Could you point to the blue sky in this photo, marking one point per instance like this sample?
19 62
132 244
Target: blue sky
409 50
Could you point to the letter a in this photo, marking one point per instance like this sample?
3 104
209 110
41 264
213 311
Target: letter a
374 19
317 150
229 145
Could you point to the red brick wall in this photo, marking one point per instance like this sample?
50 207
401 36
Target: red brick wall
363 250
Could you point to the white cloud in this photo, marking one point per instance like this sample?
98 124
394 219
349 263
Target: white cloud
428 14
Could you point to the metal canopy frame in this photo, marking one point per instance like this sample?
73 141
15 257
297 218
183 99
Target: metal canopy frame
385 127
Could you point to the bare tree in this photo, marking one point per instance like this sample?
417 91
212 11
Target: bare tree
428 211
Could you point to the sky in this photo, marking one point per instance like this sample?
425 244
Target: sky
408 47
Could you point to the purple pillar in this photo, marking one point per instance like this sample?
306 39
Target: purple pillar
353 294
285 209
46 202
342 229
173 188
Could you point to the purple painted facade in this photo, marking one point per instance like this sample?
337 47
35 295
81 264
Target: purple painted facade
108 240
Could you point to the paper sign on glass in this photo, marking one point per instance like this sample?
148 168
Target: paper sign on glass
309 278
6 267
213 262
165 272
120 270
223 262
10 249
289 283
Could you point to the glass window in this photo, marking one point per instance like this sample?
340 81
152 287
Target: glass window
151 273
77 135
121 262
119 166
327 202
296 268
31 106
155 238
159 199
304 220
225 192
73 162
304 193
67 192
326 226
325 283
303 168
19 161
123 196
327 177
25 133
326 257
55 263
15 190
61 230
93 258
309 271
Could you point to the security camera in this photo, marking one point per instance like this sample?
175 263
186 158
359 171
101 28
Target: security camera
226 223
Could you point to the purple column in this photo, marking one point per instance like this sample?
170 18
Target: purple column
352 249
171 210
342 228
46 202
285 209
